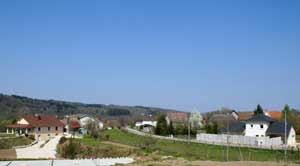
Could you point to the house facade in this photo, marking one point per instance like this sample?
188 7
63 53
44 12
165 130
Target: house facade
85 119
177 118
42 127
263 128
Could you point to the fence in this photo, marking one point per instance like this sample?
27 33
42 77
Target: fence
262 142
250 142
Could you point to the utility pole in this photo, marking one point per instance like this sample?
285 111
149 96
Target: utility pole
227 136
285 127
189 130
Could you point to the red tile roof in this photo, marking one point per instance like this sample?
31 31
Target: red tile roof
19 126
75 125
43 121
243 116
177 116
274 114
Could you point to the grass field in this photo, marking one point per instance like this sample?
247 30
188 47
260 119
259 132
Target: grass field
90 148
195 151
7 135
8 143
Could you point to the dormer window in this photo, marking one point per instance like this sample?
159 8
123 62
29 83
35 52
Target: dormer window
261 126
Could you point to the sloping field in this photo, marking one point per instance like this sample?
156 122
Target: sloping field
197 151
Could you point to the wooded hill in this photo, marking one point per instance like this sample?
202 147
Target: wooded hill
13 106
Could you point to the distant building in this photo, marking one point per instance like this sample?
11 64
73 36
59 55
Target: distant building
42 127
146 126
85 119
74 128
177 118
243 116
76 124
274 114
222 118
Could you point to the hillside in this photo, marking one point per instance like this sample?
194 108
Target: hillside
12 106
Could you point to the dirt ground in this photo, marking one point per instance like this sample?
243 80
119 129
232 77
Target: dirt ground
8 154
120 145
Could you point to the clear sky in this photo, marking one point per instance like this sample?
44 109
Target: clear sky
174 54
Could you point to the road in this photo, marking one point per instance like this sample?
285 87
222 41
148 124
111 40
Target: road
48 151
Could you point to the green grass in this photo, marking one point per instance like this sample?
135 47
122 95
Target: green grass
88 147
8 143
7 135
195 151
298 138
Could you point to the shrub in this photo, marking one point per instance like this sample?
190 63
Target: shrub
70 149
105 137
31 137
62 140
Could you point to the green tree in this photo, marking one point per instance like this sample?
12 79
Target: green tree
258 110
215 128
289 115
208 128
162 126
171 128
93 130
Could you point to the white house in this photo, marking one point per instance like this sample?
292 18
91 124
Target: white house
259 131
85 119
146 126
262 126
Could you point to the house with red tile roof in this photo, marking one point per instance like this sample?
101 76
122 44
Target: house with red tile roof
42 127
274 114
243 116
177 118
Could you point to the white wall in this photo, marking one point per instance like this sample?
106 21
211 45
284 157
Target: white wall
256 129
291 140
22 121
239 140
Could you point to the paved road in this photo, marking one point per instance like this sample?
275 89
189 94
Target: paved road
36 152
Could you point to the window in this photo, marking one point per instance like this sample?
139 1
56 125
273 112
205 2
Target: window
261 126
251 125
257 135
39 129
56 128
49 128
262 135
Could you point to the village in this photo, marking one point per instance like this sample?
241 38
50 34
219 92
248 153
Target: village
226 128
149 83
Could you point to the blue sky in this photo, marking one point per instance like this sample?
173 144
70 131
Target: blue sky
173 54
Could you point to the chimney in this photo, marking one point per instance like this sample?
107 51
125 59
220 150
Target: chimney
38 116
